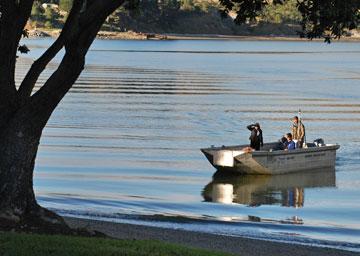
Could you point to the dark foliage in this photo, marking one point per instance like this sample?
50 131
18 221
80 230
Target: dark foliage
23 49
320 18
328 19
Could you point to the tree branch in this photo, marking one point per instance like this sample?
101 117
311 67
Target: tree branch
40 64
105 7
14 15
93 12
44 101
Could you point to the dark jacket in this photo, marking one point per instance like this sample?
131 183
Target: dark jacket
256 137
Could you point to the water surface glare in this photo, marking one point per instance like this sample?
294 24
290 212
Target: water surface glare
124 143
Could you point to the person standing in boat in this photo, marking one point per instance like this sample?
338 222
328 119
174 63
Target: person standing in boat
256 137
298 131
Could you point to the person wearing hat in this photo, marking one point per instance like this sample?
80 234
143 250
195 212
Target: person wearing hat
256 137
298 131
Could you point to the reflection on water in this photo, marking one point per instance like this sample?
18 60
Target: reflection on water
287 190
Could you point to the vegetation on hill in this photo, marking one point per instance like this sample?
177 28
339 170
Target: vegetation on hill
177 17
286 13
319 19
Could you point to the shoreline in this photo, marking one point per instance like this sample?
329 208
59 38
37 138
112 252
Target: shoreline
222 243
131 35
253 38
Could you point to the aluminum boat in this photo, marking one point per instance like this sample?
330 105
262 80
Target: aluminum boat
270 159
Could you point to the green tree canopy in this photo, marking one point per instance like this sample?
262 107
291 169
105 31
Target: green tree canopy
36 10
319 18
280 13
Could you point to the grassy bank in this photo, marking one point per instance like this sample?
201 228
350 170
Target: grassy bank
44 245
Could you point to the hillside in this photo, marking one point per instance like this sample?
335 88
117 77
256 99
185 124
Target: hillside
177 17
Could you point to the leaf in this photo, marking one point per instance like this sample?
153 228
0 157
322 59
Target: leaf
25 33
23 49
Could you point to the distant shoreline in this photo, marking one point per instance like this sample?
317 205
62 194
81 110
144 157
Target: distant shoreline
151 36
230 244
253 38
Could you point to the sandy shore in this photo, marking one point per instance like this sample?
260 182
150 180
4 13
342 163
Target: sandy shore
234 245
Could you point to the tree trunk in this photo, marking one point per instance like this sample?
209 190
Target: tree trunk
19 140
23 116
18 207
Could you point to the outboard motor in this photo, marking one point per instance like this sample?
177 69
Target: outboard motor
319 142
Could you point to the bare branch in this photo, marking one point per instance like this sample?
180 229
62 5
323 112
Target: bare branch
40 64
96 8
44 101
14 16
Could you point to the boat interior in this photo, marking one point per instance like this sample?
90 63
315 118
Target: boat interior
273 146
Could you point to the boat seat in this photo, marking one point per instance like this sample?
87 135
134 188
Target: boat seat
274 146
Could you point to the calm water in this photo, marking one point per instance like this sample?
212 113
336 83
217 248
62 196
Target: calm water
124 143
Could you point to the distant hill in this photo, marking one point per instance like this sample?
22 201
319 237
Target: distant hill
177 17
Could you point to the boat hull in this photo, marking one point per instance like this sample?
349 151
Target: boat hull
234 159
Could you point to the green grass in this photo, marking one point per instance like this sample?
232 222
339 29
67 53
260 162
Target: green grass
44 245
